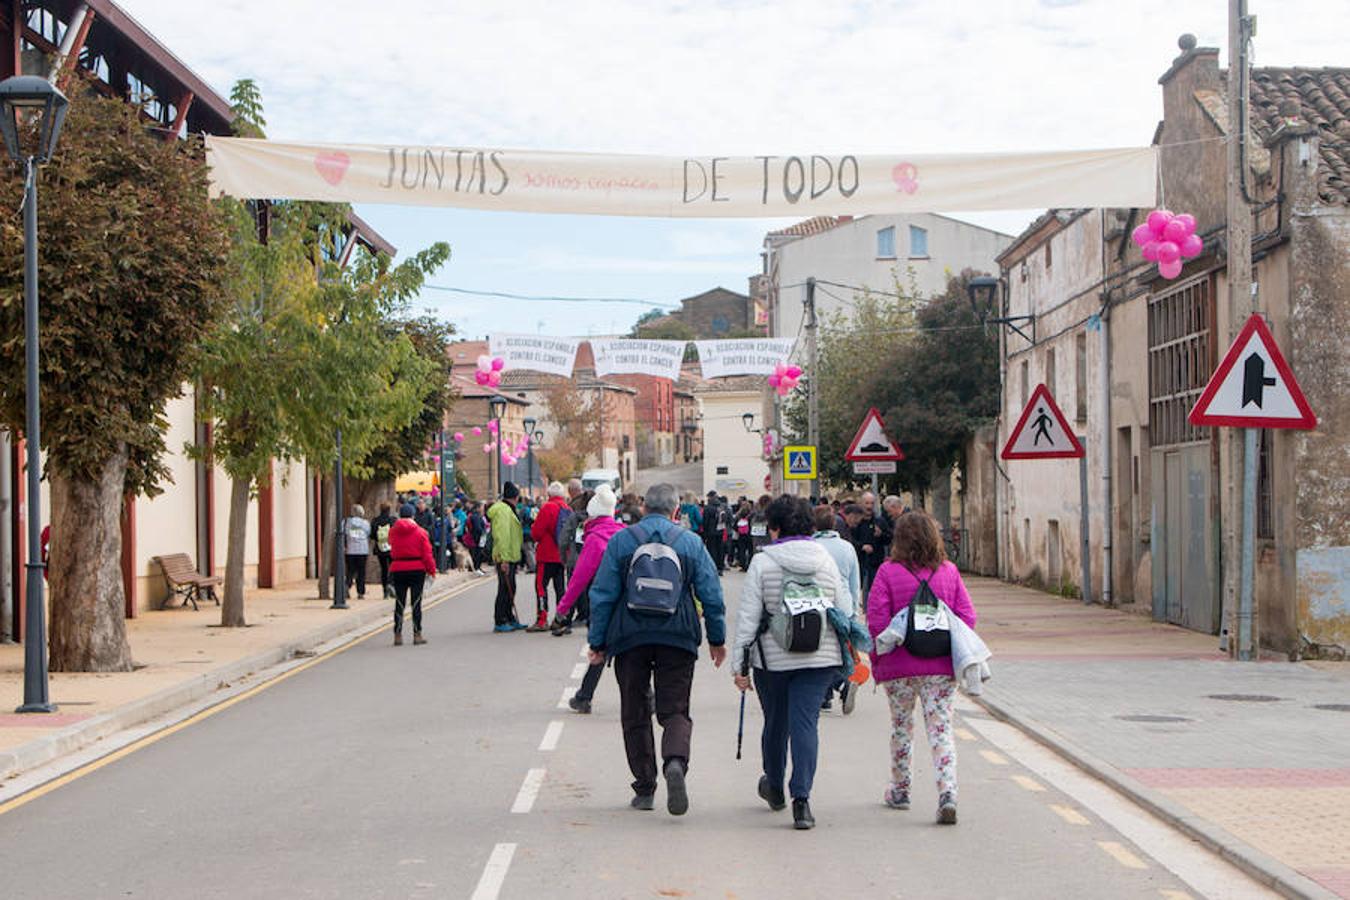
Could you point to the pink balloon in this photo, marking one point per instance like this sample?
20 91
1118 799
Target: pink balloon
1192 245
1175 232
1141 235
1168 252
487 448
1187 222
494 378
1150 250
485 363
498 364
775 379
1170 270
783 390
459 437
480 376
492 426
794 372
1157 221
477 430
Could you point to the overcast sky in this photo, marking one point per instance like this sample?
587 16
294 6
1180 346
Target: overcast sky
689 77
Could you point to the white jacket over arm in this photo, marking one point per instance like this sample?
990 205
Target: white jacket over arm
763 589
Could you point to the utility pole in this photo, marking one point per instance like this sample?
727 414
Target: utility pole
1237 608
813 380
340 537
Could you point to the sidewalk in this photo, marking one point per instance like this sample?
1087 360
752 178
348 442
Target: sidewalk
181 655
1251 759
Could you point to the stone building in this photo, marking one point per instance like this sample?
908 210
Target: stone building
1127 353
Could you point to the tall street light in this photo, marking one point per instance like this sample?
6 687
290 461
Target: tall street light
529 450
496 408
38 101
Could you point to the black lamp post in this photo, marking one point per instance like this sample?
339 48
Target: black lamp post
496 408
529 450
30 96
748 420
986 295
340 536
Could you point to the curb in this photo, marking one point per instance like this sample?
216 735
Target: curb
1261 866
81 734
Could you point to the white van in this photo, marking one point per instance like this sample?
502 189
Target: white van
593 478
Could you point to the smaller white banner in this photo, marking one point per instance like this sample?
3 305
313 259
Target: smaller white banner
552 355
626 356
742 356
874 467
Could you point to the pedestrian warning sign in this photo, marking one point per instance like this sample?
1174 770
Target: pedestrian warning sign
799 462
1253 387
871 443
1042 432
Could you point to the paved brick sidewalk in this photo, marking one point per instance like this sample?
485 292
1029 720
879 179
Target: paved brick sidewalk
181 655
1251 758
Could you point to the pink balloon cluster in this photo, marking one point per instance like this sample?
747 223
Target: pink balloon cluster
512 451
785 378
1168 239
770 443
489 371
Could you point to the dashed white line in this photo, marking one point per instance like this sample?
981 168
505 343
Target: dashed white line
566 695
585 651
579 670
551 736
1117 851
1069 814
965 734
494 873
995 758
1030 784
529 790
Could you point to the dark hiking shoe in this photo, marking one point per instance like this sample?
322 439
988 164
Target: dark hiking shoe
775 799
398 639
580 706
802 820
677 795
560 627
418 639
643 801
827 705
946 814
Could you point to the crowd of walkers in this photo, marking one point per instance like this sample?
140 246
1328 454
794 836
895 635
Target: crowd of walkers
823 580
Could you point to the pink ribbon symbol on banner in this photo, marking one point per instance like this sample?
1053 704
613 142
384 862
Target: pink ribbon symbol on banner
332 167
906 177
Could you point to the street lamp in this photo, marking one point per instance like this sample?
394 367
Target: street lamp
496 408
748 420
34 97
529 450
986 295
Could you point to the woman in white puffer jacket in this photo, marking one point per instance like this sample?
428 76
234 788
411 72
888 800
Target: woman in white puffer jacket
791 684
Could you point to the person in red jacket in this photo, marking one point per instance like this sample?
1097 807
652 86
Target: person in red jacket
548 559
411 566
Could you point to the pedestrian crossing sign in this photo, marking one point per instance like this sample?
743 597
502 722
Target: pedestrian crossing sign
1042 432
799 462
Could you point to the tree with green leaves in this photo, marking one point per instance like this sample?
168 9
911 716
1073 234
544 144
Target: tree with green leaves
131 268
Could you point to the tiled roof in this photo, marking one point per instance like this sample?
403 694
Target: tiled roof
808 227
1323 98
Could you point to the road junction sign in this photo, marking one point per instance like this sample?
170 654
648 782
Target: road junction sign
1253 387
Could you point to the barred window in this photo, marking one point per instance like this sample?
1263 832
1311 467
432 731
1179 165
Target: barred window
1179 360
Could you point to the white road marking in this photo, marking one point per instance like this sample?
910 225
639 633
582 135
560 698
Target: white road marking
494 873
567 695
994 758
529 790
1117 851
965 734
551 736
1069 814
579 670
585 651
1029 783
1175 895
1205 873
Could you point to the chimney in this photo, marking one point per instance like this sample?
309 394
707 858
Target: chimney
1196 67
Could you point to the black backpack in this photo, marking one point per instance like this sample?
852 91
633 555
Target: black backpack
928 633
655 581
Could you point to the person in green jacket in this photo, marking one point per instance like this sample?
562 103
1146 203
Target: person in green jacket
507 538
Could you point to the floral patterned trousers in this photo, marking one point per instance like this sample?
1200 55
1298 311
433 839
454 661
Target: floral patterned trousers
935 693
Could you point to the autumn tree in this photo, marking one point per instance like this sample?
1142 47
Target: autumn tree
131 267
577 435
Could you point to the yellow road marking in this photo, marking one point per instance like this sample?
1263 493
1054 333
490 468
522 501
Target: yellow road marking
1029 783
1118 852
1175 895
61 781
995 758
1069 814
965 734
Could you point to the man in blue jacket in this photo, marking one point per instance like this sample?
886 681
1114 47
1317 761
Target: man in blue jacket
664 648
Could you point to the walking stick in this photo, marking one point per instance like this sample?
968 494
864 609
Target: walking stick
740 727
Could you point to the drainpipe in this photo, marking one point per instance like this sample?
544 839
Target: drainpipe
1104 441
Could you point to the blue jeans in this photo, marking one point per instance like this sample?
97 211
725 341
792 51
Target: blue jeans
791 704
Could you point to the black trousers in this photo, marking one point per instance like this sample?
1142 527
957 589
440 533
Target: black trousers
545 574
356 571
716 549
590 681
505 611
408 586
384 557
672 670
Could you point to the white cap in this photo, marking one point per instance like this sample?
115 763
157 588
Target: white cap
603 503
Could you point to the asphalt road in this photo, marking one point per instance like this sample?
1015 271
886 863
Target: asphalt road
407 772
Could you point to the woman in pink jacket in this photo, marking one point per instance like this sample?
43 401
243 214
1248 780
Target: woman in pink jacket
599 527
917 554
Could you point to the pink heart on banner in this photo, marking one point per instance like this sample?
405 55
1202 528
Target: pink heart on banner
332 167
906 177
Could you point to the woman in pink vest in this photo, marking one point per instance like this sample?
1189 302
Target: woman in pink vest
917 555
599 527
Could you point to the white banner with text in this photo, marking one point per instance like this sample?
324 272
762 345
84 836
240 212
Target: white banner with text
742 356
626 356
674 186
552 355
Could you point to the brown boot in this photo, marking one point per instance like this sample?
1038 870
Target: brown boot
418 639
398 639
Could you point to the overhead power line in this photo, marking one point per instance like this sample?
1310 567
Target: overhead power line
660 304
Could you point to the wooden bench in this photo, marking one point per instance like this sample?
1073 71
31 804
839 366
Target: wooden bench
185 581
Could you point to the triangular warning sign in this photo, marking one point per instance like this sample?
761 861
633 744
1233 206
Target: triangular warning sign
1042 432
871 443
1253 387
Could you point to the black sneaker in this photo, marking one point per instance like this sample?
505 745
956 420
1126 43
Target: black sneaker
946 814
580 706
775 799
677 795
802 820
643 801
